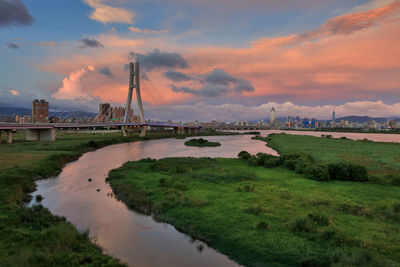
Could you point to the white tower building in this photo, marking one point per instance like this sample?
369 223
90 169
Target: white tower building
272 114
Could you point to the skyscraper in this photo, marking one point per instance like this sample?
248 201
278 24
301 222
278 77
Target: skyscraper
333 116
272 114
40 111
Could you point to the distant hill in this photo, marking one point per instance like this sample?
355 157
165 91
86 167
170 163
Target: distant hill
363 119
13 110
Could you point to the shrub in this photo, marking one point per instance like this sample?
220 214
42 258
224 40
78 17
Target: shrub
261 157
291 160
358 173
310 223
252 161
263 225
163 182
272 161
347 171
338 171
244 155
395 180
247 188
317 171
180 186
256 210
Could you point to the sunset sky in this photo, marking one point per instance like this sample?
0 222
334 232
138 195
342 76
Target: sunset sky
203 59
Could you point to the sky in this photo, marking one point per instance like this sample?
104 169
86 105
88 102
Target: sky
227 60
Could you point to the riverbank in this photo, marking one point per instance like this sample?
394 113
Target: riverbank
266 216
33 236
382 160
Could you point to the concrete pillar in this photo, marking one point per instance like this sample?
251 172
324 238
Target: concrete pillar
143 131
185 130
32 135
41 134
0 137
9 137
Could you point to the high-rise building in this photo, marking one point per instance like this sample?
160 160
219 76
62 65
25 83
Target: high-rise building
105 109
333 116
272 114
40 111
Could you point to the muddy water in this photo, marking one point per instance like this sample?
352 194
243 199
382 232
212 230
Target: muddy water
134 238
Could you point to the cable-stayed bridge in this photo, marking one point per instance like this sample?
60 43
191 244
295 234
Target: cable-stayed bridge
122 118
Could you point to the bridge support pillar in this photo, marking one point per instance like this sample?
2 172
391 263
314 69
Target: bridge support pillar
9 137
143 131
125 131
41 134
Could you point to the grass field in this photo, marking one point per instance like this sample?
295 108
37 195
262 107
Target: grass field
381 159
267 216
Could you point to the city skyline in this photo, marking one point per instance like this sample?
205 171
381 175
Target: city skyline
307 58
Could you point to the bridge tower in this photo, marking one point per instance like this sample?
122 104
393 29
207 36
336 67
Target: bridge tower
134 83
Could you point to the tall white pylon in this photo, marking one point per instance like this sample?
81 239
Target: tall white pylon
134 83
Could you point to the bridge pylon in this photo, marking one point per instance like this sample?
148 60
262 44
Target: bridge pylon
134 83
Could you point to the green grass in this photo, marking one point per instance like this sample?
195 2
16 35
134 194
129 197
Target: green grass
267 216
381 159
200 142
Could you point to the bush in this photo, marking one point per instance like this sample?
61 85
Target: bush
263 225
261 157
244 155
271 161
317 171
256 210
252 161
395 180
247 188
347 171
310 223
291 160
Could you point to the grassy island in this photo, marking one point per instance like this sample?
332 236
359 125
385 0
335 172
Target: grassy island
200 142
263 215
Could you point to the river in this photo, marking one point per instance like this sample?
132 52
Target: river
132 237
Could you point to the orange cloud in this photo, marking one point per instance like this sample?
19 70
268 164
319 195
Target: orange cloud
342 25
106 14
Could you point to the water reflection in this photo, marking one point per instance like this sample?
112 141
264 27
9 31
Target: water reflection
136 239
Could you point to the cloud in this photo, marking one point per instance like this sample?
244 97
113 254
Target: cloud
176 76
204 111
341 25
13 92
106 71
218 76
159 59
14 12
138 30
12 45
71 88
216 83
108 14
207 90
93 43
